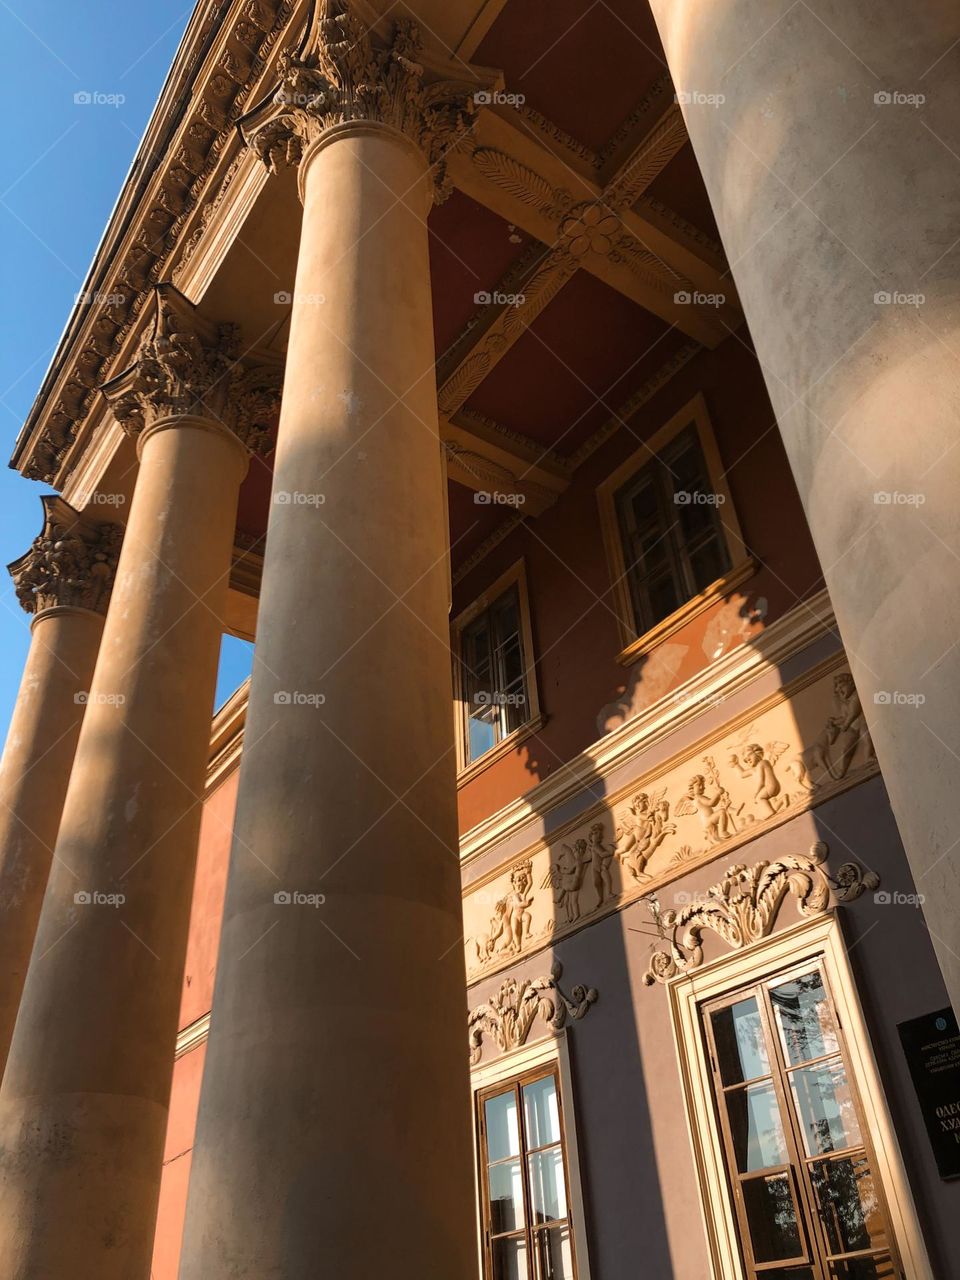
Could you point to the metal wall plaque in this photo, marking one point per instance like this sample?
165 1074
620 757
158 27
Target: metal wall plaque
932 1048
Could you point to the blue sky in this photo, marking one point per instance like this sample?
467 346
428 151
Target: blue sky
64 165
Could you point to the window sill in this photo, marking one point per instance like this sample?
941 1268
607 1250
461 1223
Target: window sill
686 613
503 748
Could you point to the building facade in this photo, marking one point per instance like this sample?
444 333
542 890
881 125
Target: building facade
571 891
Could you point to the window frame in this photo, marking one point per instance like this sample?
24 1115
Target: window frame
634 641
516 577
817 941
525 1063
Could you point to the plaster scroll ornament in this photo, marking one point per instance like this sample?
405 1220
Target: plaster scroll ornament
743 907
188 365
509 1015
342 73
71 563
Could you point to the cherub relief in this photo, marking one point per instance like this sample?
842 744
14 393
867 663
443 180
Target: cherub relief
601 858
518 903
756 764
566 877
713 811
642 830
834 750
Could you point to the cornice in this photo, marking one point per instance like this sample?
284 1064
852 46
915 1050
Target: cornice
226 737
223 57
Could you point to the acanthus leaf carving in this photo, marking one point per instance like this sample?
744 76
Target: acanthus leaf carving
509 1015
71 563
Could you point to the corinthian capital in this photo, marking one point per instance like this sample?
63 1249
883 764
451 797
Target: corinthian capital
71 562
189 366
342 73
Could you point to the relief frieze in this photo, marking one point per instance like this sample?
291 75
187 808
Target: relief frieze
797 748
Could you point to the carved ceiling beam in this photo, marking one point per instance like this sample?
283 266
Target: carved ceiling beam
510 172
509 470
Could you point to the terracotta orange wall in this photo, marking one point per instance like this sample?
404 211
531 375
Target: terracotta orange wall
576 637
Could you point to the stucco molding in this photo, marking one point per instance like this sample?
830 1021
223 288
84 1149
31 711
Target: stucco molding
742 907
508 1016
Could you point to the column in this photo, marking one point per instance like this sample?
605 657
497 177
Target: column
83 1106
334 1133
64 581
831 164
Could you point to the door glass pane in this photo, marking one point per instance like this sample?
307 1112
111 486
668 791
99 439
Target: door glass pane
548 1193
848 1204
804 1019
503 1131
506 1197
510 1259
828 1117
541 1112
555 1253
772 1218
741 1050
756 1128
879 1268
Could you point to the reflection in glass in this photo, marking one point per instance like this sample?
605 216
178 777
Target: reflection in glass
756 1128
879 1268
548 1193
510 1259
741 1050
503 1131
848 1204
506 1197
541 1112
826 1109
555 1254
804 1019
772 1217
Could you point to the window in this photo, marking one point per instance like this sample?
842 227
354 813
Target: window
671 533
808 1201
495 685
527 1228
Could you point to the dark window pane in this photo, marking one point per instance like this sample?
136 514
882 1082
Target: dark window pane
879 1268
790 1273
772 1218
503 1130
804 1018
741 1050
506 1196
555 1253
824 1102
848 1204
510 1259
756 1128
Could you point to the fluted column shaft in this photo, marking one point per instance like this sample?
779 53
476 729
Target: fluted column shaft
334 1126
83 1106
828 138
